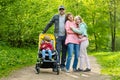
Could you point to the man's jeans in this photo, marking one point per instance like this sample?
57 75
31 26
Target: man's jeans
72 48
49 53
60 45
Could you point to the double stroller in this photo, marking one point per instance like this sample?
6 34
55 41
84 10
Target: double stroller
54 64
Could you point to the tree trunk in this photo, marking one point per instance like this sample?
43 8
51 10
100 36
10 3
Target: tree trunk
95 37
114 34
113 23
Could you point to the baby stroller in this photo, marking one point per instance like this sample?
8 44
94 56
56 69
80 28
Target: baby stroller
54 64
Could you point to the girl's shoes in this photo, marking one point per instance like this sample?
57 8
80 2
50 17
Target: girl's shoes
87 70
80 70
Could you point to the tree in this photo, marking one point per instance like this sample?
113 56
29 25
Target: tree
112 11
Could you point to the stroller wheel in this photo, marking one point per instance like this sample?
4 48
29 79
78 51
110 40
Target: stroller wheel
37 68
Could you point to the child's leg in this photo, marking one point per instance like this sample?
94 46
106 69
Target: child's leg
50 54
43 53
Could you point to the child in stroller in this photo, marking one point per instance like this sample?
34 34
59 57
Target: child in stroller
46 47
45 54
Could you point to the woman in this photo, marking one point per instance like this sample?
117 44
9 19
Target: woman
72 42
82 30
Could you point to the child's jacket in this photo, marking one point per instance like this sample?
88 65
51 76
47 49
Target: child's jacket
46 46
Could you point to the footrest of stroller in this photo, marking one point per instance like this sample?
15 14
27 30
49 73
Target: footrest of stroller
49 61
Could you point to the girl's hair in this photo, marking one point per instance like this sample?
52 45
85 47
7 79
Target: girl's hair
67 15
79 17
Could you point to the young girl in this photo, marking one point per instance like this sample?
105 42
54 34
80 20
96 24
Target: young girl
46 46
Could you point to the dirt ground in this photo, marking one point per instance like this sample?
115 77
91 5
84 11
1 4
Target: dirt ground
29 73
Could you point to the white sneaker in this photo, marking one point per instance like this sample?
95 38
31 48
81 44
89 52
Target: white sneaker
67 71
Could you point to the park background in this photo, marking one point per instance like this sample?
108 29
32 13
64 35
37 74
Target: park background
21 22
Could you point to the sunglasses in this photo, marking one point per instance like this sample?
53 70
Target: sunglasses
61 9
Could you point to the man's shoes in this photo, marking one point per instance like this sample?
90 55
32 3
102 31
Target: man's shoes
63 68
87 70
54 69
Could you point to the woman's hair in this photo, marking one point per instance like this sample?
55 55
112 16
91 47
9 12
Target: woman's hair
67 15
79 17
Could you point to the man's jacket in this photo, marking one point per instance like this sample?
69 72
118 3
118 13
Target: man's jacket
55 21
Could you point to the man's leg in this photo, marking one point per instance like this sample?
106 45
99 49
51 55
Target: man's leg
58 47
64 52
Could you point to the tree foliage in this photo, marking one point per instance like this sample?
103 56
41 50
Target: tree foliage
21 21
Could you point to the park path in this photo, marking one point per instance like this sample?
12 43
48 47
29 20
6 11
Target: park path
28 73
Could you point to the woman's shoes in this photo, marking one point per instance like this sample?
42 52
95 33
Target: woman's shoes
67 71
75 70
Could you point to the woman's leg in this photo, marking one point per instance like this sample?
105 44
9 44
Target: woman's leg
70 51
76 52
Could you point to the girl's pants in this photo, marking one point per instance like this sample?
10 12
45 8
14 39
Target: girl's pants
83 54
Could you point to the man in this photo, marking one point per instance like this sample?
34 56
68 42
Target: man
59 32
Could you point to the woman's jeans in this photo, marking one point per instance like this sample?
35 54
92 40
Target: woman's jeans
49 53
72 48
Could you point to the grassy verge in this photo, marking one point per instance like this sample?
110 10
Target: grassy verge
110 62
15 58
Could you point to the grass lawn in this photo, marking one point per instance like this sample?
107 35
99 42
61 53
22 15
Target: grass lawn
110 62
14 58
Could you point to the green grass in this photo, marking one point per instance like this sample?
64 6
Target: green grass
14 58
110 62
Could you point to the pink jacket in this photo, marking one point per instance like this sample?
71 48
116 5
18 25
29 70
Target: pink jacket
71 36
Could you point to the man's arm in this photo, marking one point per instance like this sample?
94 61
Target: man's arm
49 24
